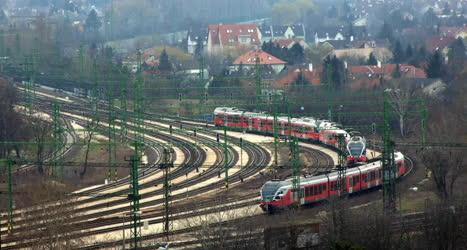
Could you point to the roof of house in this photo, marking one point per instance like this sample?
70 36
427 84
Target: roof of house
228 34
330 31
438 42
250 58
298 29
193 34
292 75
337 44
279 30
451 31
265 30
370 71
287 42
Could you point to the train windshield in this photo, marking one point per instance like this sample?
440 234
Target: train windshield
269 189
356 149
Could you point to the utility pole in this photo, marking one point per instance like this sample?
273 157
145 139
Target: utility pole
341 167
81 62
226 159
389 173
168 163
138 144
330 85
112 147
424 117
29 88
124 111
9 165
134 198
276 136
258 81
297 195
57 142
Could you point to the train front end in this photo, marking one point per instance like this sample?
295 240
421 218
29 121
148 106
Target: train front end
274 196
356 148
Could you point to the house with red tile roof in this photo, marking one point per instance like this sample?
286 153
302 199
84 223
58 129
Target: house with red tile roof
248 61
370 76
293 76
439 43
456 32
289 42
232 36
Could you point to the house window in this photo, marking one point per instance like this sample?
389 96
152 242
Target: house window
229 31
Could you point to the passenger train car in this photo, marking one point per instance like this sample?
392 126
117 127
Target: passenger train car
306 128
279 194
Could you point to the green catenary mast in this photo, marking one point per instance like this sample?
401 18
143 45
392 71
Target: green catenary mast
389 173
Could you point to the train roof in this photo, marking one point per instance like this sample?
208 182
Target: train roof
310 180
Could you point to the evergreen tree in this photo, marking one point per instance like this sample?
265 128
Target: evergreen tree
446 9
296 54
409 52
92 21
372 60
434 69
386 32
397 71
333 72
199 47
333 12
164 63
398 53
456 55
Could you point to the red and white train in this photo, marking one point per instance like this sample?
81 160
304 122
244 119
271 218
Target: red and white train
279 194
306 128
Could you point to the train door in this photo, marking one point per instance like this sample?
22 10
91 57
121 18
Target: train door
250 123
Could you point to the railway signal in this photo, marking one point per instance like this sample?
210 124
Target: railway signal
241 152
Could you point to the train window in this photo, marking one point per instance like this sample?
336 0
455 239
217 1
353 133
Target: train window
364 177
350 181
357 179
315 190
324 187
333 185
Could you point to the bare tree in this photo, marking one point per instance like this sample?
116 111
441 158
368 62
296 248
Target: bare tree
446 166
400 95
8 116
90 131
444 227
362 228
41 130
223 227
445 162
53 230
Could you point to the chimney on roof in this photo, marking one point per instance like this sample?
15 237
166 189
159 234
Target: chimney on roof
379 64
310 67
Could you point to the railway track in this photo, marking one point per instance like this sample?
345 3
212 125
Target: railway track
260 158
201 159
